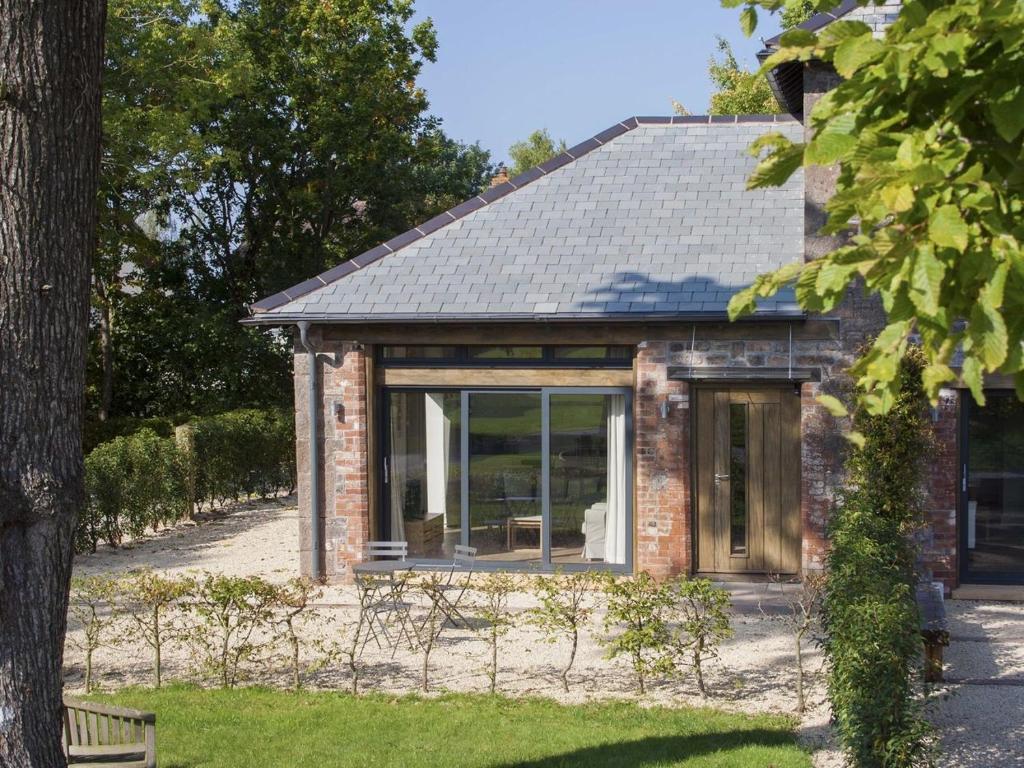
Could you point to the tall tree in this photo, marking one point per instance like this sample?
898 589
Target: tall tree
739 91
250 145
51 57
926 133
534 150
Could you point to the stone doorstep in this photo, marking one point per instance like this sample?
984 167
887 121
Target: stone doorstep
1007 592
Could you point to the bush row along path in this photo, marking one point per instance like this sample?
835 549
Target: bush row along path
982 722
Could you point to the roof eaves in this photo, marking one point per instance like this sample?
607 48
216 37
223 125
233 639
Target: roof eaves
565 317
462 210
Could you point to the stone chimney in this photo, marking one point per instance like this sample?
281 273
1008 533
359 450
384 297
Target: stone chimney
500 177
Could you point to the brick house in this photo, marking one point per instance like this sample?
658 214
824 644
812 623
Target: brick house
546 373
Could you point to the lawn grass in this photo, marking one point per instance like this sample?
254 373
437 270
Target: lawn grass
257 727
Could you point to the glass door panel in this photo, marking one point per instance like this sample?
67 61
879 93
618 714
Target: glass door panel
995 489
504 476
588 478
738 478
423 470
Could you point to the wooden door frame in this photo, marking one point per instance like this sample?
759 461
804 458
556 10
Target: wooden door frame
792 489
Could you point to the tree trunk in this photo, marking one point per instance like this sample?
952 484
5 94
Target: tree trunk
572 658
51 56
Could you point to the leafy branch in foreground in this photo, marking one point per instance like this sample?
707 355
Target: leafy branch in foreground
926 131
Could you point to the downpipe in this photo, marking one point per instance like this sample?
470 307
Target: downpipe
314 453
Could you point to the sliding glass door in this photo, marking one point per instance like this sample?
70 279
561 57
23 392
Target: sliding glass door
532 478
993 457
421 471
504 475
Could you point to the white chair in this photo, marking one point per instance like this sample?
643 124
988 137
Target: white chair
593 531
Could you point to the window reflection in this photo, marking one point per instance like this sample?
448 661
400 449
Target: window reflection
995 490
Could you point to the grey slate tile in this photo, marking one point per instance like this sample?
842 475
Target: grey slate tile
656 219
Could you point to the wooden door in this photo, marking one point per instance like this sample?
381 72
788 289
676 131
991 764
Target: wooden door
748 480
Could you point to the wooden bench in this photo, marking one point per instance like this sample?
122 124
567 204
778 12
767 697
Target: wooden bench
102 736
934 629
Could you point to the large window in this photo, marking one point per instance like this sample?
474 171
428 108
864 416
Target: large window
993 455
532 478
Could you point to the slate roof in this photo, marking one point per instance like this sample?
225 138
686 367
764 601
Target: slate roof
649 219
878 17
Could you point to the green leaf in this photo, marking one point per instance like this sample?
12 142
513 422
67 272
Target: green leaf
989 337
947 228
841 30
777 167
748 20
898 197
856 438
971 376
934 376
854 53
742 303
797 38
833 405
926 280
1008 113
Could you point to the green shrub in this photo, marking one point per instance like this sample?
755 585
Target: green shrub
132 483
243 452
564 607
700 621
96 431
145 478
637 621
233 622
93 604
148 599
870 616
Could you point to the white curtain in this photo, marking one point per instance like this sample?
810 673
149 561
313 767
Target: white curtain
615 518
438 429
397 471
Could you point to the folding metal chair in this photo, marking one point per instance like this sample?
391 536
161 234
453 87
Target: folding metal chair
464 562
380 593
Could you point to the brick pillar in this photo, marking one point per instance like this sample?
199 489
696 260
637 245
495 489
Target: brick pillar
663 515
345 529
938 540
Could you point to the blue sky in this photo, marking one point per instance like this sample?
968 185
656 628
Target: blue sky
507 67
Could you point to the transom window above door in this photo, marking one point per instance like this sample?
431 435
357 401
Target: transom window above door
533 478
524 355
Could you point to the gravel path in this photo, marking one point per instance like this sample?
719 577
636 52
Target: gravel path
982 723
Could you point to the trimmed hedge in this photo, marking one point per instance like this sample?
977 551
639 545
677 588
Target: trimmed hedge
146 479
243 452
132 483
870 616
97 432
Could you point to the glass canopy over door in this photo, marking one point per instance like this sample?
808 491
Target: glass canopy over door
993 455
531 478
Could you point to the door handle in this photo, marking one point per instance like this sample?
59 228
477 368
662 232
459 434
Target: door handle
720 478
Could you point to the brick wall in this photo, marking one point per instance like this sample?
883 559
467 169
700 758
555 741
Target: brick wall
663 540
341 381
938 541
